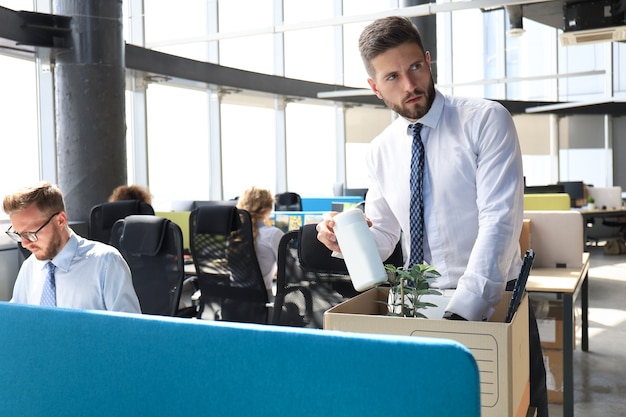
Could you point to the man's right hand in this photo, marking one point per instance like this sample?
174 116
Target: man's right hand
326 232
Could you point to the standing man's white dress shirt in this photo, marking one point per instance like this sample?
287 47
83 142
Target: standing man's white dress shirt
472 154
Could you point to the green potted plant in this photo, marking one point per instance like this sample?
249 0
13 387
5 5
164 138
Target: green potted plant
407 288
591 203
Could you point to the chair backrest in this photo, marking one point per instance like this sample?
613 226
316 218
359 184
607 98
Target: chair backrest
309 281
293 304
314 256
104 215
288 202
228 272
153 249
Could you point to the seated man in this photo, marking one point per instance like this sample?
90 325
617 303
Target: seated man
65 270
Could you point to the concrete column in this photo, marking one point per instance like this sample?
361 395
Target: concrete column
89 95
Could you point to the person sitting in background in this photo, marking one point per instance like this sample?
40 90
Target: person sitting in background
131 192
64 270
259 202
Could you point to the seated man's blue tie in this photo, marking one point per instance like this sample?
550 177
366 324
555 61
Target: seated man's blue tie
49 293
416 208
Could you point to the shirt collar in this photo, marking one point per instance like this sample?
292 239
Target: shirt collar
63 260
431 119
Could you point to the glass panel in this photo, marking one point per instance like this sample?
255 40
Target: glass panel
248 148
178 144
356 170
252 53
19 136
311 156
619 57
354 71
537 169
574 163
164 23
580 58
532 54
18 5
494 53
310 53
467 59
363 124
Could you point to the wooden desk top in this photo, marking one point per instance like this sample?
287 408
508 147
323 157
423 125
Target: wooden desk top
602 213
561 280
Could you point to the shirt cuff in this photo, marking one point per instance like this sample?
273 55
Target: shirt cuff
469 306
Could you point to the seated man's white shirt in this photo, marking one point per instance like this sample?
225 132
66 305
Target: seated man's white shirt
89 275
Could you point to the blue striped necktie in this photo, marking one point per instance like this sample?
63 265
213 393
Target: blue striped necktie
416 207
49 293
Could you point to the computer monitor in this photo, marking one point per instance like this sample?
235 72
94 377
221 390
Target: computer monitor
355 192
576 191
544 189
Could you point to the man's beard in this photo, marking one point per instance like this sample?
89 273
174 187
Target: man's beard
415 113
53 248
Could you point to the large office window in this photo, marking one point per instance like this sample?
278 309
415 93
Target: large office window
310 53
311 143
18 125
178 24
254 52
178 144
619 58
532 55
354 71
248 147
468 58
583 58
362 125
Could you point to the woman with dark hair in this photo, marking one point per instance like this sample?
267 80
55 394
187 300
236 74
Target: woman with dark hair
131 192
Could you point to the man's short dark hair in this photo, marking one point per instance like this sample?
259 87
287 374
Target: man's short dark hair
384 34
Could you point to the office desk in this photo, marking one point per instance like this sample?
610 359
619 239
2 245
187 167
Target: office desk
568 283
588 215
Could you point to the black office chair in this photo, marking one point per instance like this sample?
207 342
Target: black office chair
227 269
104 215
310 280
288 202
153 249
293 304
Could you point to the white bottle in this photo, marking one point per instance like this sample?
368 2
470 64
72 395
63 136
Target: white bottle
359 251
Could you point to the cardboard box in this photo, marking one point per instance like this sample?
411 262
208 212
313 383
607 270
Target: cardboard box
500 349
524 239
553 361
549 314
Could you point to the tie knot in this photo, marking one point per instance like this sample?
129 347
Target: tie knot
51 267
416 128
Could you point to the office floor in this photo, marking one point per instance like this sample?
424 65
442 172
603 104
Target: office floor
599 375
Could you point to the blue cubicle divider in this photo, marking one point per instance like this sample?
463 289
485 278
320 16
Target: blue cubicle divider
59 362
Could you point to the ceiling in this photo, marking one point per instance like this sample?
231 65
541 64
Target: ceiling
551 13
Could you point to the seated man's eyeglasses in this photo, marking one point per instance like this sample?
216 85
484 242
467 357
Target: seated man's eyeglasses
28 236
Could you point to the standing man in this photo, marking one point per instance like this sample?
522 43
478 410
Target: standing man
64 270
446 181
